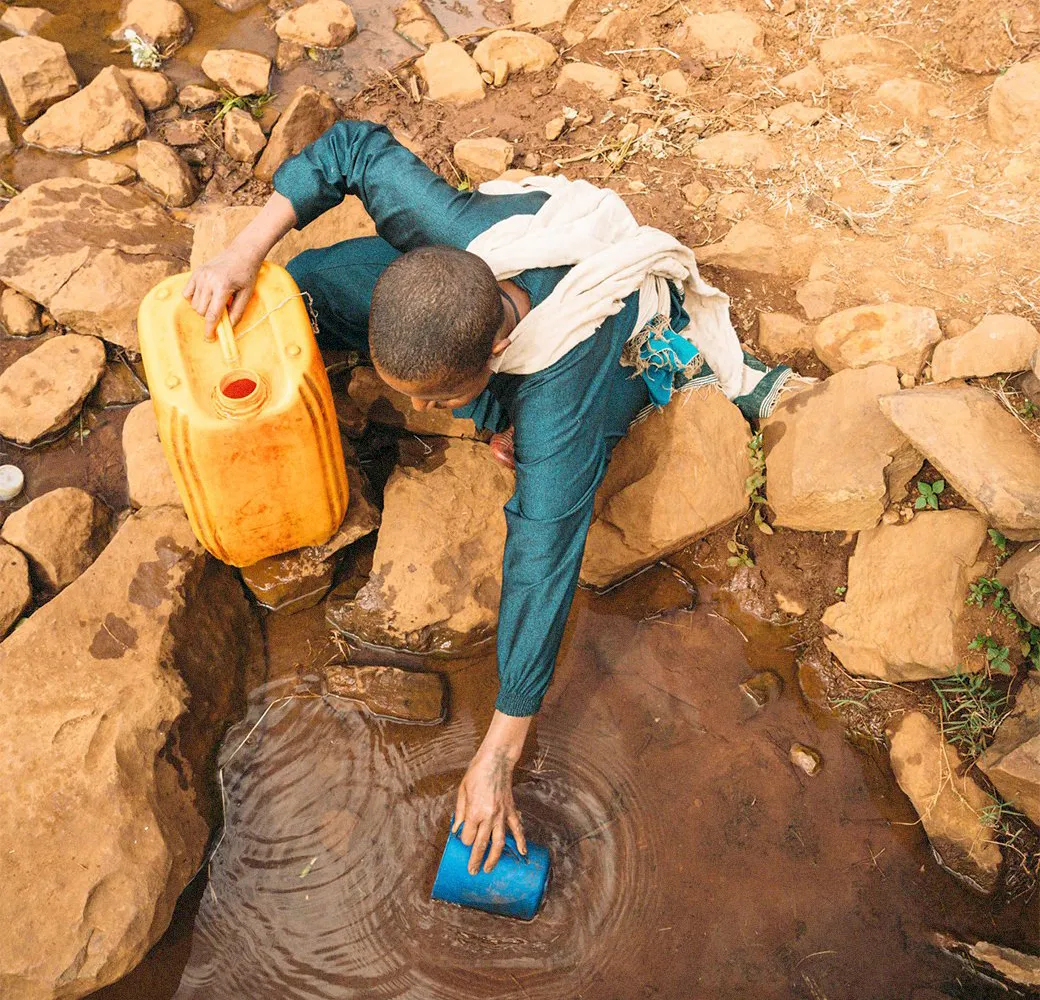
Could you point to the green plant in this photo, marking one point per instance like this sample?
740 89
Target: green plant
929 494
755 483
229 102
741 556
999 543
971 707
840 591
987 588
996 655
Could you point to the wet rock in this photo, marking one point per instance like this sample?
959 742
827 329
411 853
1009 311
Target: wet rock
289 55
450 74
185 132
749 246
15 591
382 405
43 391
195 97
695 452
674 82
235 6
25 20
103 115
1012 761
19 316
309 114
1021 575
578 78
806 759
817 298
833 461
714 38
36 74
912 98
118 386
415 23
323 24
860 49
106 765
1000 343
950 806
89 253
151 483
163 23
781 334
166 173
61 533
389 692
807 80
980 448
883 334
154 90
738 150
1013 965
244 140
483 159
906 591
445 591
104 171
520 51
1014 105
243 73
763 688
539 13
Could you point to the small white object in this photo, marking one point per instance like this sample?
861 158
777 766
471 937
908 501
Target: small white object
11 482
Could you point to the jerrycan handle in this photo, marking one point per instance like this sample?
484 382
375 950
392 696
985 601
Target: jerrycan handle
228 343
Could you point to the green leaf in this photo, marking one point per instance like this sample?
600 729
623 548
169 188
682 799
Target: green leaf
733 561
938 486
920 503
924 488
731 545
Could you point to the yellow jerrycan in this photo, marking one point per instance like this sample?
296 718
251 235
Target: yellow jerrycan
246 421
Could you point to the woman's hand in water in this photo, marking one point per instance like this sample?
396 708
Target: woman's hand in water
231 273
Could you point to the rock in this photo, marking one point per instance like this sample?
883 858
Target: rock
555 127
20 316
309 114
235 6
118 386
1014 105
703 473
243 138
951 807
163 23
1012 965
288 56
860 49
912 98
43 391
714 38
195 97
521 52
450 74
109 799
414 22
300 579
807 80
389 692
539 13
806 759
154 90
696 193
883 334
833 462
166 173
15 591
483 159
103 115
966 244
447 590
185 132
794 113
780 334
89 253
382 405
25 20
1012 761
1000 343
733 206
981 449
763 688
1021 575
737 150
36 74
104 171
243 73
151 483
674 82
7 144
579 78
817 298
748 246
61 533
323 24
906 591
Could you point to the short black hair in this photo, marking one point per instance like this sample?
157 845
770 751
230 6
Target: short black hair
434 315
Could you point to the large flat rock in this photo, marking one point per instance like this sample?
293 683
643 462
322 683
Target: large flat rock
115 695
890 334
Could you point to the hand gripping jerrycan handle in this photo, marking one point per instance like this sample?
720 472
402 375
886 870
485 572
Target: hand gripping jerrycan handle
515 888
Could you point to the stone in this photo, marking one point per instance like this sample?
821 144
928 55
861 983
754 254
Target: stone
579 78
195 97
446 591
781 334
483 159
539 13
906 594
288 56
860 49
1021 575
912 98
817 297
25 20
715 38
696 193
104 171
763 688
951 806
244 140
450 74
390 692
674 82
323 24
185 132
883 334
89 253
44 390
1000 343
695 452
299 579
1012 760
102 116
794 113
7 144
61 533
243 73
1013 965
154 90
151 483
555 127
310 113
20 316
966 244
235 6
979 448
806 759
1014 105
733 206
15 590
521 51
36 74
163 23
738 150
833 461
414 22
382 405
116 694
119 385
166 173
807 80
748 246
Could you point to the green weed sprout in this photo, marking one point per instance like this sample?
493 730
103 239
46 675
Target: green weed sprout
929 497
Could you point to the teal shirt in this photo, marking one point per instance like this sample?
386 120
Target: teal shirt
567 418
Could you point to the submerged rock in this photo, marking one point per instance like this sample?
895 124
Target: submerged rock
108 798
15 590
415 23
36 74
763 688
243 73
382 405
324 24
1012 761
450 74
884 334
150 481
389 692
806 759
310 113
166 173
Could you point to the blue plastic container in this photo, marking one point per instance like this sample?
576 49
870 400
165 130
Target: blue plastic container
515 888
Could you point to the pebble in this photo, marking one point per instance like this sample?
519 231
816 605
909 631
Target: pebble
806 759
763 688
